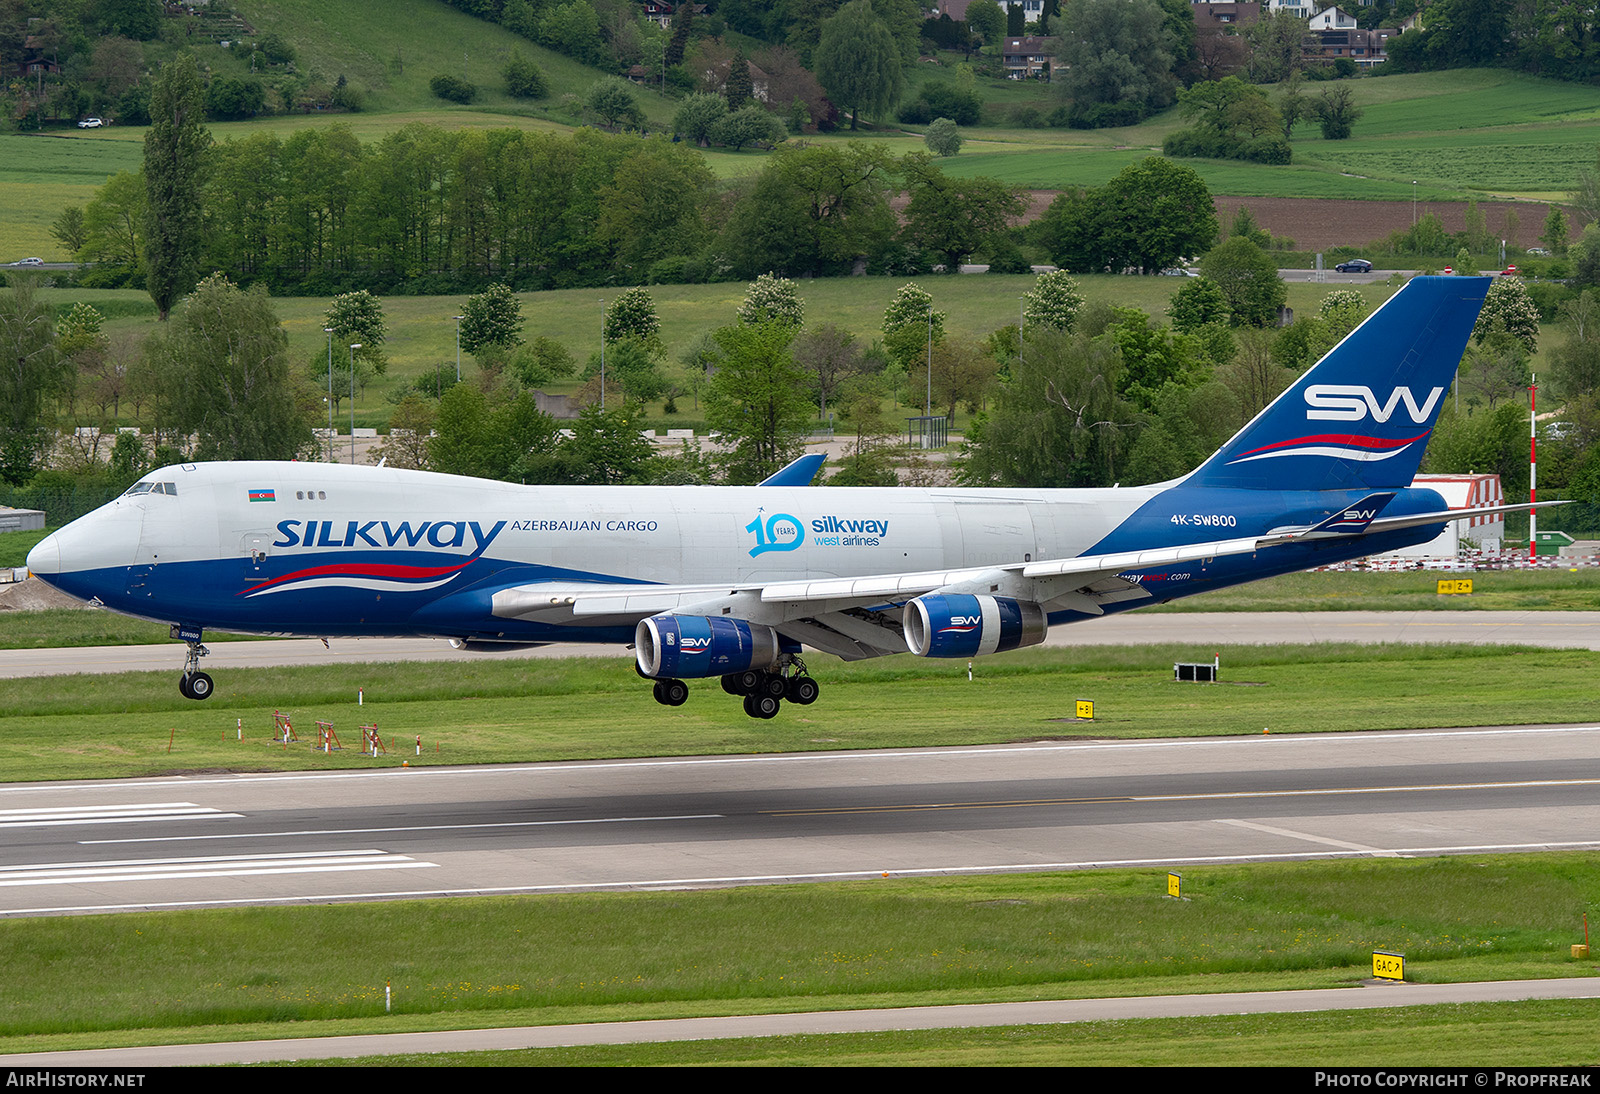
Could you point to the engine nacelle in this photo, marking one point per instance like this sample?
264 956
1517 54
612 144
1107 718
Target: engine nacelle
964 625
687 647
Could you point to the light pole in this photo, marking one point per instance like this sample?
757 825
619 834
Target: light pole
927 407
602 354
1413 203
329 332
353 347
459 318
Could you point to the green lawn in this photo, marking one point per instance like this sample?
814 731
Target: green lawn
487 711
171 977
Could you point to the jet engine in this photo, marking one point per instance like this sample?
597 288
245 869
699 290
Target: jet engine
691 646
964 625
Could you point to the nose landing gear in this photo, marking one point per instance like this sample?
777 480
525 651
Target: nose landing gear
194 684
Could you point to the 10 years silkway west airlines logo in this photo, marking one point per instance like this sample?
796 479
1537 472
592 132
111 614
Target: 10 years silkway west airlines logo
783 532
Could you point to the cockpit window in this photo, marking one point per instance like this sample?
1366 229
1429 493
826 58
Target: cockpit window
152 488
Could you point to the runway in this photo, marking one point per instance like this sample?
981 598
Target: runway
1573 630
224 840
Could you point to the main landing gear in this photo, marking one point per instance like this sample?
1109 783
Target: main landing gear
763 691
194 684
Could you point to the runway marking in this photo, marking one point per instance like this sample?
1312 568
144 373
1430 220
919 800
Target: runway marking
404 828
650 884
106 814
171 869
1309 838
1236 795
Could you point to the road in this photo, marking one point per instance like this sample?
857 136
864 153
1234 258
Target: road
225 840
1569 630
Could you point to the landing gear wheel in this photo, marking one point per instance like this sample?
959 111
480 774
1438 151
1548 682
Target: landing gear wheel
801 689
674 692
730 684
198 686
748 682
183 687
655 690
761 706
774 685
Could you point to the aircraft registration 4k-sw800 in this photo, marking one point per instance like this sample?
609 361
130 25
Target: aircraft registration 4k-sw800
734 582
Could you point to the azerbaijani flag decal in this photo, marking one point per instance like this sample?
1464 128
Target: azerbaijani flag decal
263 495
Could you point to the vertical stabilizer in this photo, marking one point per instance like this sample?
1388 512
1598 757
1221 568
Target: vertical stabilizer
1361 417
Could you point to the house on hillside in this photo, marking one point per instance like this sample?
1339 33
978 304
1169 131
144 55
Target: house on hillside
1027 58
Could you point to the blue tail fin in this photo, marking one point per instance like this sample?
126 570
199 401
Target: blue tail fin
1361 417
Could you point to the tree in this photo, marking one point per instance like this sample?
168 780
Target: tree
1198 302
68 229
750 124
1054 301
606 447
358 317
951 218
1508 308
832 357
524 79
987 21
632 371
1555 231
772 300
613 104
1116 56
1150 216
512 441
858 62
698 116
1337 113
757 400
739 89
223 368
632 315
909 323
1057 421
114 223
1277 42
174 159
943 137
813 211
32 373
1248 278
491 318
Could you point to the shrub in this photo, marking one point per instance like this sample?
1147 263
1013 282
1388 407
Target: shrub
453 88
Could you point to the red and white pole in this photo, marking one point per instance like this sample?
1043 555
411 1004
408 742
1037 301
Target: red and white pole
1533 465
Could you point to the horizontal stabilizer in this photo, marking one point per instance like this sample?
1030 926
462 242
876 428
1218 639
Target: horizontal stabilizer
798 473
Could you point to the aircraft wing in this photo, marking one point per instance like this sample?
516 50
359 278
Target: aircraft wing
858 617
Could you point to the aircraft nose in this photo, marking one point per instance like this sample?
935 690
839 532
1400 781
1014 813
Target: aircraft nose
45 558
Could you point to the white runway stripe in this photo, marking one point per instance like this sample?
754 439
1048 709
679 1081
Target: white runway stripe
106 814
168 869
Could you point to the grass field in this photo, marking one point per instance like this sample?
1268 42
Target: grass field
477 711
479 962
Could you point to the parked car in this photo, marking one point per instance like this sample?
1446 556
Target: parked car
90 123
1538 252
1355 265
29 262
